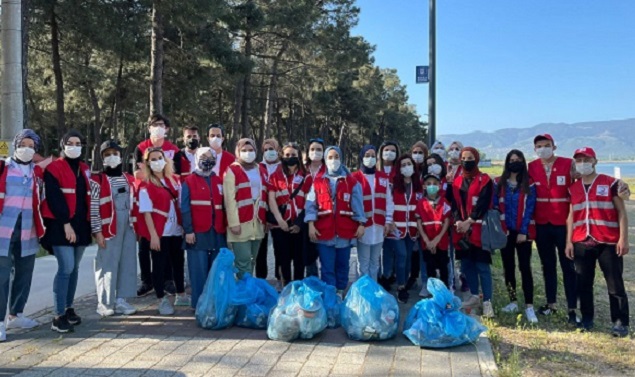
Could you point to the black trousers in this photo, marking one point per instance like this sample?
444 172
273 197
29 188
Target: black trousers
438 261
548 239
311 253
262 270
288 248
145 264
508 255
415 263
171 257
612 267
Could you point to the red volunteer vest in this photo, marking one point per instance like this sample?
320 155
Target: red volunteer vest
244 200
552 197
68 183
283 186
107 211
161 199
186 166
168 148
522 202
310 178
225 163
478 184
37 183
594 214
404 215
378 215
207 204
336 221
432 219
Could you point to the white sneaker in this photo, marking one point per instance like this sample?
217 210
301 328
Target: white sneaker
104 311
21 322
165 307
3 332
531 315
123 307
473 301
512 307
424 292
182 300
488 310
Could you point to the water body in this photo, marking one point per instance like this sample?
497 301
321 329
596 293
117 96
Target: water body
628 168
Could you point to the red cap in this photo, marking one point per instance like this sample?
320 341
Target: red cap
586 152
543 137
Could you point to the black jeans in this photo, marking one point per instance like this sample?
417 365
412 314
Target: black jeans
612 267
145 264
508 255
172 255
288 248
548 239
262 270
438 261
415 263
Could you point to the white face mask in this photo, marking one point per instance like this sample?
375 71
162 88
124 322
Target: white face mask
333 165
418 158
369 162
271 156
389 155
157 166
454 154
72 151
440 151
584 168
112 161
544 152
157 132
408 171
435 169
248 157
316 155
24 154
215 142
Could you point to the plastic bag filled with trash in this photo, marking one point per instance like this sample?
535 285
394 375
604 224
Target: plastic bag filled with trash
214 309
254 298
369 312
300 313
437 322
332 302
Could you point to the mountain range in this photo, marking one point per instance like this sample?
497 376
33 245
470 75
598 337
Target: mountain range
613 139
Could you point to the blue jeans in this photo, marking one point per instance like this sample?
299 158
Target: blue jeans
199 263
397 253
475 271
65 282
22 273
335 265
368 257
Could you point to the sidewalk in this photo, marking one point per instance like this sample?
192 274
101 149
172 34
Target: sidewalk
147 344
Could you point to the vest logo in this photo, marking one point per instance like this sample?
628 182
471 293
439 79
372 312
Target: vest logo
603 190
419 196
297 179
383 182
562 180
347 197
220 189
474 200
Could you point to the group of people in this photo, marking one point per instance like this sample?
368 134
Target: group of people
410 214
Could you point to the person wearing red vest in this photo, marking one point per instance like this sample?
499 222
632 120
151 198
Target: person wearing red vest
315 167
66 212
379 208
159 228
597 232
388 151
186 156
336 218
454 169
399 243
20 229
245 196
204 219
287 194
158 128
112 191
471 198
420 154
515 199
215 137
433 215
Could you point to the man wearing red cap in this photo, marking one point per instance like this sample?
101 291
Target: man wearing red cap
597 230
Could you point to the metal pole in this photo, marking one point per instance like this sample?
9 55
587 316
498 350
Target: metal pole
12 118
432 114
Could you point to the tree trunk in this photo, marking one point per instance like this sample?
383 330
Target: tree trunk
156 63
238 104
272 94
246 89
57 71
97 163
114 110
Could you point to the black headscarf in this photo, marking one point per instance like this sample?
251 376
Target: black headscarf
364 169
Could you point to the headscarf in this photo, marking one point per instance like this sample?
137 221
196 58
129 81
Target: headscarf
439 145
197 156
477 158
342 171
72 133
460 145
362 167
241 143
24 134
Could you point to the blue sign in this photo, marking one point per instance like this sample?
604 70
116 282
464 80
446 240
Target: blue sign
423 74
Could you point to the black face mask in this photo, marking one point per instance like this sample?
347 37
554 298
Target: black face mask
516 166
192 144
469 165
290 161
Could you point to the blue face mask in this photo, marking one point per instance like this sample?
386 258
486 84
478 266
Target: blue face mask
432 189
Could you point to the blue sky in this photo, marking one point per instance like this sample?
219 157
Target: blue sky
506 63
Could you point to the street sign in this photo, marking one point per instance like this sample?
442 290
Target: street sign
4 148
423 74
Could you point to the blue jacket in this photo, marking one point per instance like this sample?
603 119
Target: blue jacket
512 207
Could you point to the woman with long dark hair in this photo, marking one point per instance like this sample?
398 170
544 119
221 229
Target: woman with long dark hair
315 167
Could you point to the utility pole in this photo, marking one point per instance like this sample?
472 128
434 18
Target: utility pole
432 85
12 119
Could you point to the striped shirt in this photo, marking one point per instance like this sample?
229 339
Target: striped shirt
95 192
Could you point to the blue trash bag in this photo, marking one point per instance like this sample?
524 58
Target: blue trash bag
369 312
300 313
437 322
332 302
254 298
214 309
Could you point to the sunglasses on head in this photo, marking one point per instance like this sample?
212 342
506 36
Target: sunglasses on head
316 140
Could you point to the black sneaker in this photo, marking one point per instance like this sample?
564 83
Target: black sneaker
412 281
170 288
619 330
546 310
144 290
402 296
61 324
573 318
392 279
585 326
72 317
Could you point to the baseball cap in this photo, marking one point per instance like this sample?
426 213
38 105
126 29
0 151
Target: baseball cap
585 151
108 144
432 176
543 137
